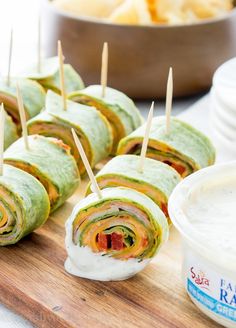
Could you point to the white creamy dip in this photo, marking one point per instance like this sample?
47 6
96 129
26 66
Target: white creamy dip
211 209
82 262
203 209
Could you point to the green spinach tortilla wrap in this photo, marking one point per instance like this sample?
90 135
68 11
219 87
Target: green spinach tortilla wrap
91 127
50 161
49 76
184 148
33 96
24 205
10 132
157 180
119 109
115 237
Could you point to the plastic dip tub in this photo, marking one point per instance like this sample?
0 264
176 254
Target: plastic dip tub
203 209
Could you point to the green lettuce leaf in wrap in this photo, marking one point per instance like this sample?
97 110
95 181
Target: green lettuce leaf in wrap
10 132
114 237
184 148
49 76
157 180
24 205
32 93
119 109
50 161
91 127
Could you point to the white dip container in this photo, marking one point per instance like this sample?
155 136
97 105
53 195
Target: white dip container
203 209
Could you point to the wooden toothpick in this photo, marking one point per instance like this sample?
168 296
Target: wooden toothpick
104 69
39 46
169 98
87 165
62 76
145 139
22 117
2 125
10 58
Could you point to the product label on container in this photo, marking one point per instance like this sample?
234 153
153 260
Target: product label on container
211 289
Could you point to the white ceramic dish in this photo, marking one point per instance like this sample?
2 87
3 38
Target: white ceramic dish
221 122
209 271
227 119
226 97
224 143
223 105
227 113
225 74
224 133
225 130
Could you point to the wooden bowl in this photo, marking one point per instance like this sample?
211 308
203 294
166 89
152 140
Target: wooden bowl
140 56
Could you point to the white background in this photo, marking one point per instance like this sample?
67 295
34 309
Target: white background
22 16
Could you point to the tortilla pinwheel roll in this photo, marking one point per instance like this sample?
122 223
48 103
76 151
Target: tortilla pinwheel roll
24 205
10 132
33 98
49 76
115 237
157 180
91 127
184 148
119 109
50 161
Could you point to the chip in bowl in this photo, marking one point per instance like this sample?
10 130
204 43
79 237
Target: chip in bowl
148 12
93 8
208 8
132 12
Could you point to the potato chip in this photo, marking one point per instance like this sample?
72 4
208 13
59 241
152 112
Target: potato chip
186 11
147 12
164 11
125 14
132 12
93 8
208 8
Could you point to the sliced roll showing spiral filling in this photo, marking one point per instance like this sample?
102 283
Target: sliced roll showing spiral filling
33 96
49 77
50 161
114 237
24 205
157 180
119 109
10 131
184 148
91 127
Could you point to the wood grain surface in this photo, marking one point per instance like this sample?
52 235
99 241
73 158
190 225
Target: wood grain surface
33 283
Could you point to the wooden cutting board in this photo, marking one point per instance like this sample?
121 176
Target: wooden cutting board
33 283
